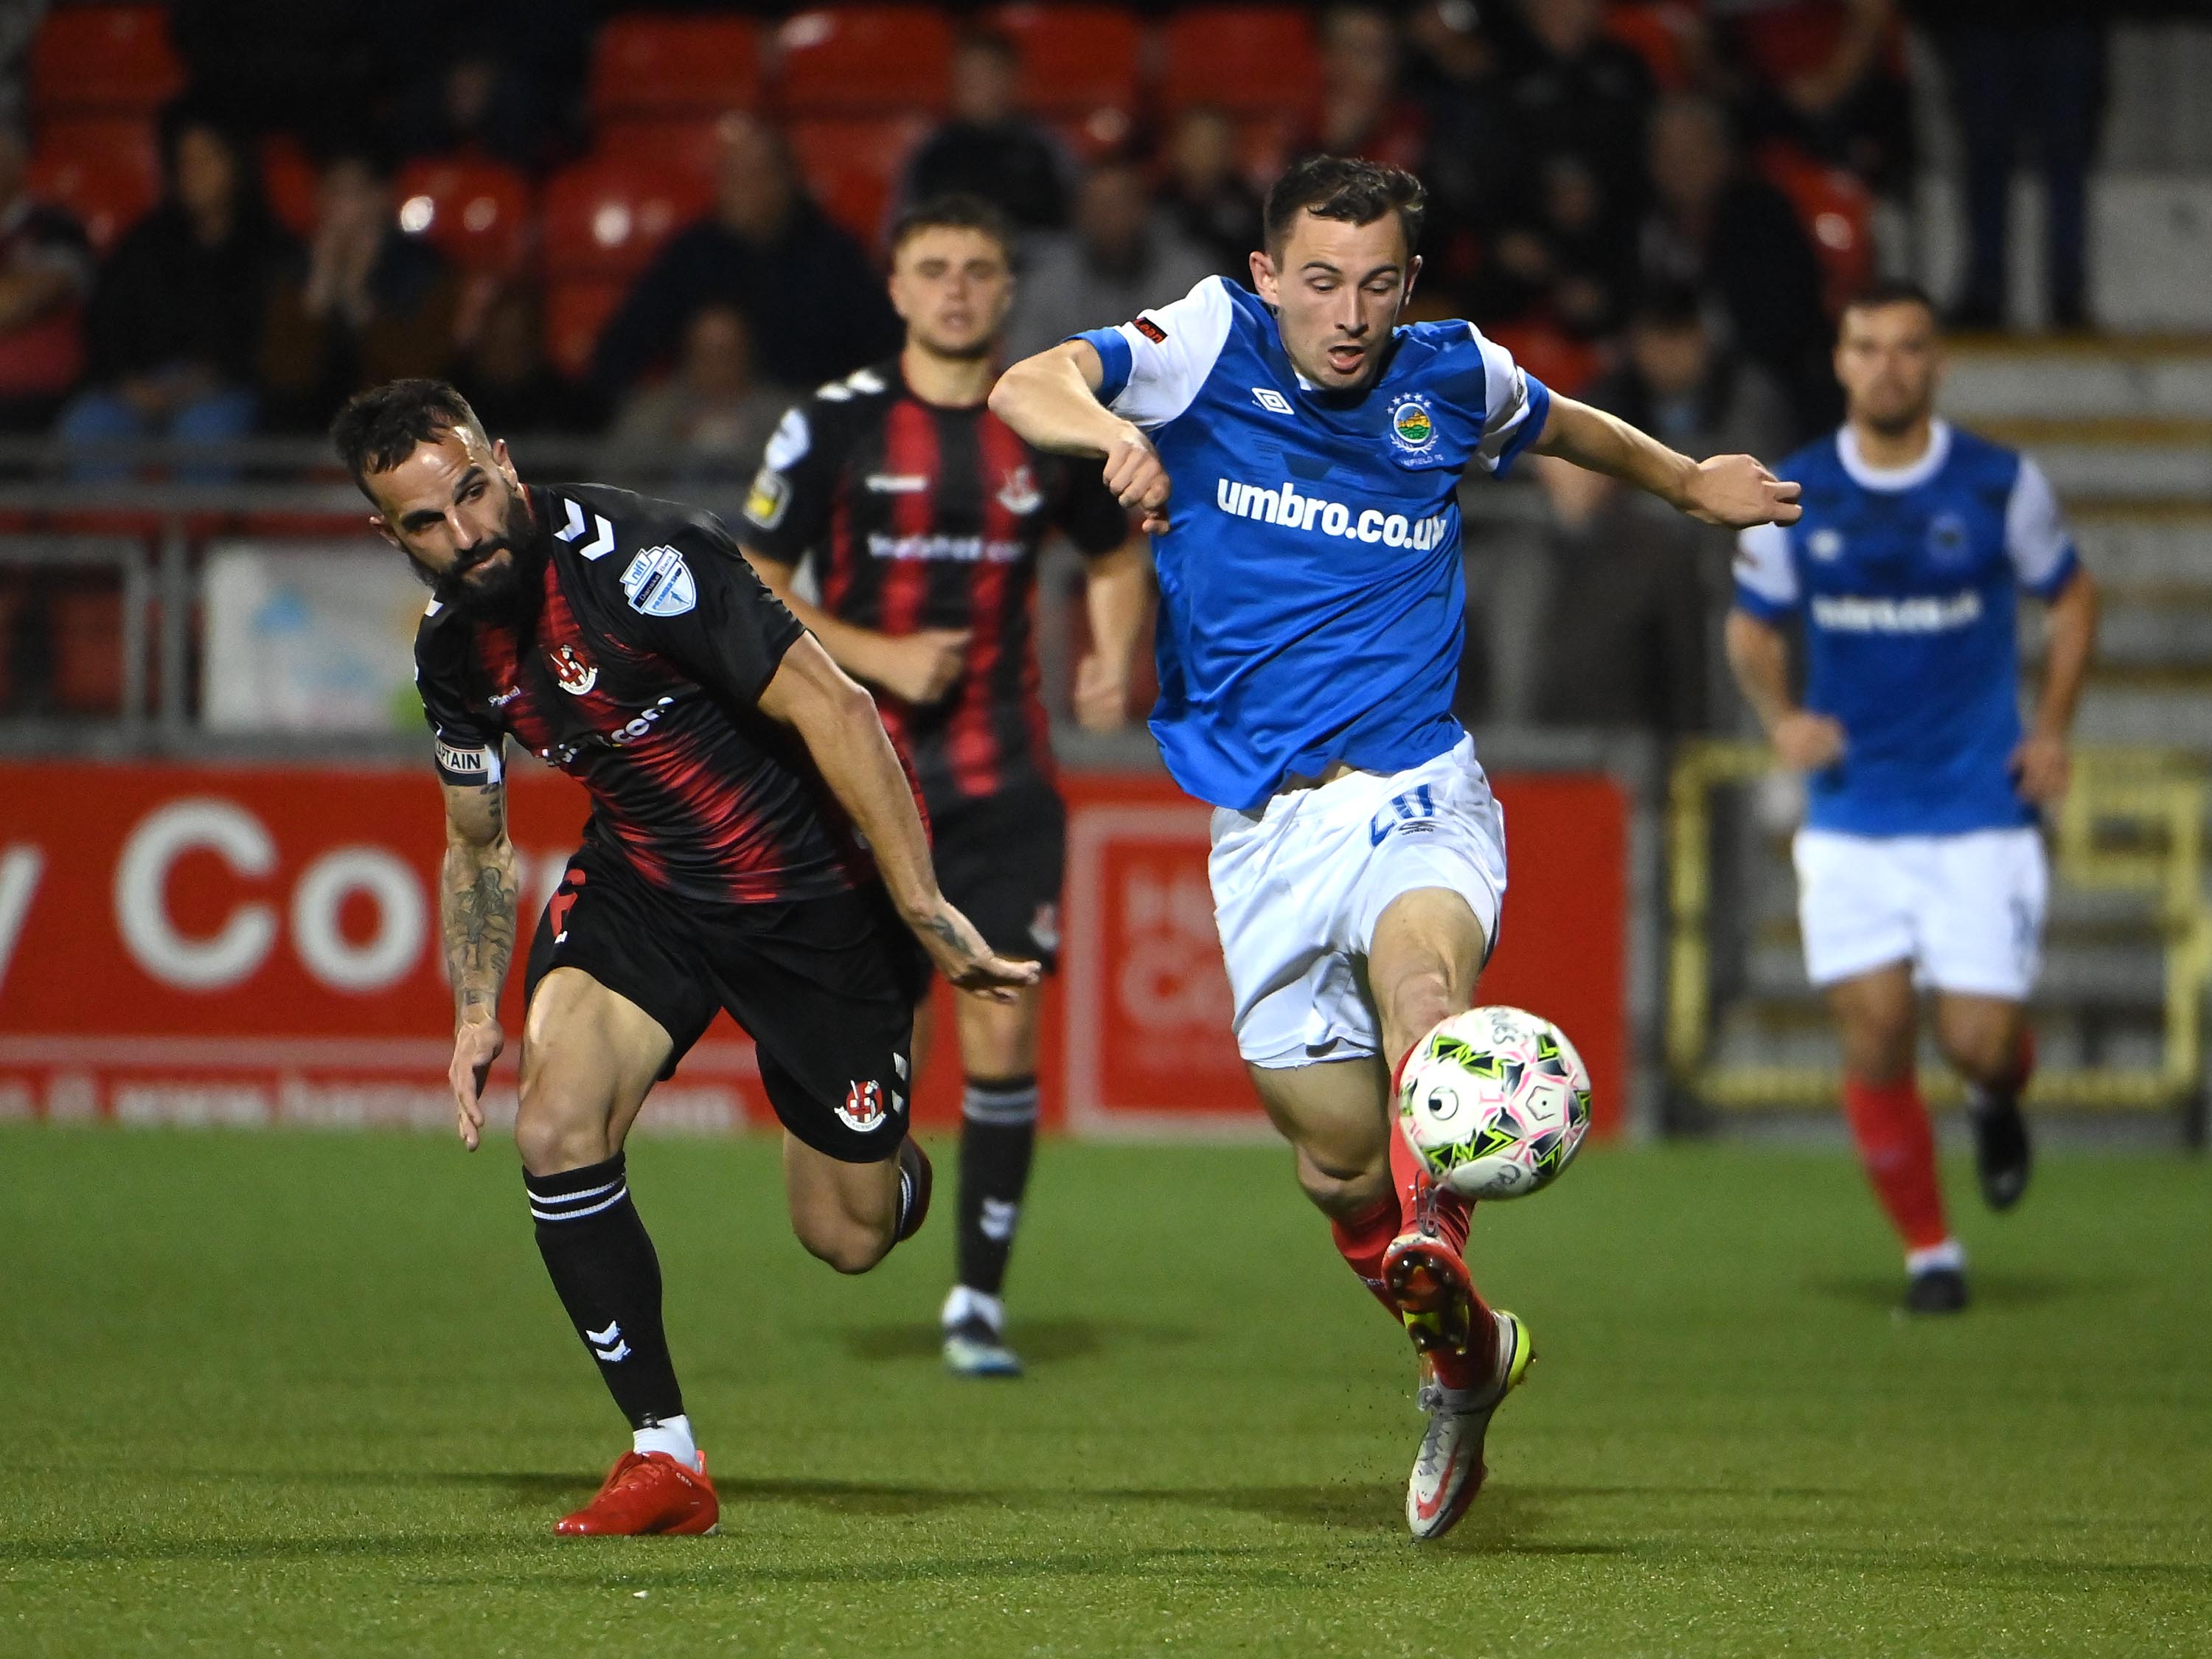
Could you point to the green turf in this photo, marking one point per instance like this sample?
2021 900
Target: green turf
311 1394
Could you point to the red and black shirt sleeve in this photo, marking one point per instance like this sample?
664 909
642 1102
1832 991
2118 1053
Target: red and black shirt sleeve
793 496
468 733
697 603
1088 514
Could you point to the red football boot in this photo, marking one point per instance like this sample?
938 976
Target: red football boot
647 1492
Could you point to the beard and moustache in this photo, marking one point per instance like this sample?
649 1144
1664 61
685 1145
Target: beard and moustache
503 594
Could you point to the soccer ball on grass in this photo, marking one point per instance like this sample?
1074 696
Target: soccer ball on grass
1495 1102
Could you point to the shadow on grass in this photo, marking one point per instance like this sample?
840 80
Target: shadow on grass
1990 1290
1039 1341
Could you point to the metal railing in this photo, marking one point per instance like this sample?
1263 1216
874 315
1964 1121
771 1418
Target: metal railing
2132 823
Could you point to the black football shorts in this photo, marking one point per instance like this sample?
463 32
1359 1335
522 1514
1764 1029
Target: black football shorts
1000 860
825 987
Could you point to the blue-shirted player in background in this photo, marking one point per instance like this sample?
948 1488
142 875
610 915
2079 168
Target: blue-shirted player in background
1920 858
1312 606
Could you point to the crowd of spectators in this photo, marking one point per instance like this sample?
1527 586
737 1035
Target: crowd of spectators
1618 193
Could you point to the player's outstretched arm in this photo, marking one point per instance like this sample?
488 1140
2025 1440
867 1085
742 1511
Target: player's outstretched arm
838 723
1759 656
1052 400
1116 595
918 667
1733 490
475 915
2044 762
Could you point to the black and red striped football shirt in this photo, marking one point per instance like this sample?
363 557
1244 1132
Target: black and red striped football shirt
636 671
917 516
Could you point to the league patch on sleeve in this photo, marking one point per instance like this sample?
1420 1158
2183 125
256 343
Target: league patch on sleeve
769 498
658 583
1150 329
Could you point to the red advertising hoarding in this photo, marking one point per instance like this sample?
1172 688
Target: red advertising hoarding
259 945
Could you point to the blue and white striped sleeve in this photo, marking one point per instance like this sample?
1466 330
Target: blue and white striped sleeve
1156 364
2043 557
1765 578
1516 406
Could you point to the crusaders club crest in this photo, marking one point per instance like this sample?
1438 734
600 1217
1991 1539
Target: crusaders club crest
864 1107
1019 494
576 676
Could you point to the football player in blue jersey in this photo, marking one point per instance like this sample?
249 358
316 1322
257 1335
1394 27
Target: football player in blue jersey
1919 863
1298 454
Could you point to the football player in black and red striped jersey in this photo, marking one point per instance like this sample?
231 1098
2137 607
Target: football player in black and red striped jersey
733 769
920 514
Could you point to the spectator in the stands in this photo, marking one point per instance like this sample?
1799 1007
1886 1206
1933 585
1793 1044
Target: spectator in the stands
1569 89
1207 194
1826 75
1363 112
989 148
1718 227
177 313
505 373
364 304
45 271
1121 256
1673 383
710 417
816 307
476 102
1571 264
1626 621
2037 65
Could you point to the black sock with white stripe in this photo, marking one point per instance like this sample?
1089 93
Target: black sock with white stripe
608 1278
998 1137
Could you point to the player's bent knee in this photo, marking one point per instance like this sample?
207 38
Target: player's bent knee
555 1129
1342 1187
849 1246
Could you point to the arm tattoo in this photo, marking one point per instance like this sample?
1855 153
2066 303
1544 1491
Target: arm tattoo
478 915
944 929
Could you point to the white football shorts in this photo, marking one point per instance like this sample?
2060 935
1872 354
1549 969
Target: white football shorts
1966 910
1299 884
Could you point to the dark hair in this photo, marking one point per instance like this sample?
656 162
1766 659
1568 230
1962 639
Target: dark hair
996 42
1891 291
378 429
955 212
1669 306
1341 187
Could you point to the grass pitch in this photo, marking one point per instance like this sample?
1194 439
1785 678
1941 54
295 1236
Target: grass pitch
312 1394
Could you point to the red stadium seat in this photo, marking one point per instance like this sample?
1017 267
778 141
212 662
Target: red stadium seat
104 58
288 180
646 63
1837 210
853 166
105 172
1248 59
576 309
1075 59
476 213
684 143
852 60
607 215
1658 32
87 648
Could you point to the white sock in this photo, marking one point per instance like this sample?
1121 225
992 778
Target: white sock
964 1304
671 1435
1936 1257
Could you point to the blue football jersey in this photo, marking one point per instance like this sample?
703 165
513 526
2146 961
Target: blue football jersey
1906 579
1312 604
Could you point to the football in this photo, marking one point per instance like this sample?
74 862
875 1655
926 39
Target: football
1495 1102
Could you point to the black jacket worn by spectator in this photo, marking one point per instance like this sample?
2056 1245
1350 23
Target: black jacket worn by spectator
1009 164
816 307
164 297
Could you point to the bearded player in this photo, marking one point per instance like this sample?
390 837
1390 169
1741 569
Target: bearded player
1298 454
1920 863
733 770
920 515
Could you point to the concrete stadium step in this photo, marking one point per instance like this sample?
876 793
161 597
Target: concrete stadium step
2157 554
2086 380
2128 978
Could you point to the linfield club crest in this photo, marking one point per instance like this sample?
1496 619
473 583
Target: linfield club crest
1412 427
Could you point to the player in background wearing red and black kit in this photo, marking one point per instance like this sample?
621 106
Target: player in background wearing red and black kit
920 514
730 764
